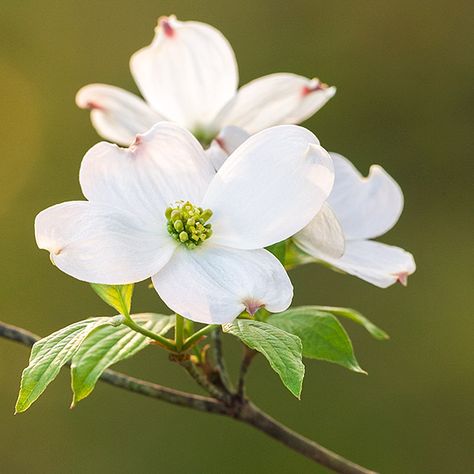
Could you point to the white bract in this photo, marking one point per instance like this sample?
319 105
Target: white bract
357 210
189 75
158 209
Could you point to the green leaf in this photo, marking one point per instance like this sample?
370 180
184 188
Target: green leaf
47 357
108 345
357 317
117 296
321 334
279 250
282 350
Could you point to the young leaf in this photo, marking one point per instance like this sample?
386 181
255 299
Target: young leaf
47 357
321 334
117 296
357 317
282 350
109 345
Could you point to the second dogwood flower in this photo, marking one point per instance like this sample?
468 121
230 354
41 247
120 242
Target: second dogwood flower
189 75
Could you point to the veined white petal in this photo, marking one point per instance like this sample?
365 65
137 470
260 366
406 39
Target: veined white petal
164 165
281 98
365 207
228 140
188 73
102 244
323 234
214 284
116 114
269 188
379 264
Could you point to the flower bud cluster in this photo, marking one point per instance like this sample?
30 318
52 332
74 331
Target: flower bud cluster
186 223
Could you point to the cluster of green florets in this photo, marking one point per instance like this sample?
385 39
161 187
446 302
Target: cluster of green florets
186 223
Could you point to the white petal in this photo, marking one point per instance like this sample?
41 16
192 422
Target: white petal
102 244
269 188
379 264
275 99
163 166
365 207
228 140
214 284
322 234
116 114
188 73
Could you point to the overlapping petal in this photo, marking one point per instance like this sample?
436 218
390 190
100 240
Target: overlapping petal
228 140
164 165
365 207
116 114
322 235
98 243
269 188
377 263
188 73
275 99
214 284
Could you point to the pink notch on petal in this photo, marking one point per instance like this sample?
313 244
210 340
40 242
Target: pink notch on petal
402 278
220 141
134 145
93 105
316 85
165 24
253 306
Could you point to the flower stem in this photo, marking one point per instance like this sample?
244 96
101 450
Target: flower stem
198 335
163 341
179 333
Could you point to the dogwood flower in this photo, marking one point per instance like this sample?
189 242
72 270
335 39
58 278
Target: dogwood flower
358 209
189 75
158 209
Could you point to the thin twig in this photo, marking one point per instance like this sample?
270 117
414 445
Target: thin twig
204 382
258 419
249 354
241 410
223 375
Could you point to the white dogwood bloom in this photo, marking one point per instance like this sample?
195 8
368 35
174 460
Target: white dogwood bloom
189 75
158 209
357 210
366 208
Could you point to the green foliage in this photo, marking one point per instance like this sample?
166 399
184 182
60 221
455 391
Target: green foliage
92 345
48 356
117 296
357 317
279 250
109 345
282 350
321 334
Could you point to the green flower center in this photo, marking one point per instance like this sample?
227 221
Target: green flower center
186 223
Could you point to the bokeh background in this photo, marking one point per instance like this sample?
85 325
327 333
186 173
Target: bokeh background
404 72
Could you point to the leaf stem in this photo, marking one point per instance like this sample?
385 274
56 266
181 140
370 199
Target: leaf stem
162 341
190 341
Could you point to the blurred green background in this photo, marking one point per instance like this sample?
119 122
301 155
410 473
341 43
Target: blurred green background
404 72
